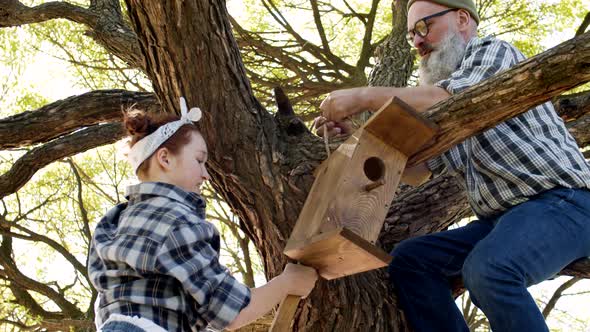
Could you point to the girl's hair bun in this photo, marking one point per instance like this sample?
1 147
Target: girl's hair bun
137 122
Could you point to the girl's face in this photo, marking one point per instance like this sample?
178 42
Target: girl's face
187 169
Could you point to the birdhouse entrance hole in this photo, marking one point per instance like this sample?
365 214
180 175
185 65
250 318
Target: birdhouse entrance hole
374 169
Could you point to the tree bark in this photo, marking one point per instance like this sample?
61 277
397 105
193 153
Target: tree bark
65 116
394 57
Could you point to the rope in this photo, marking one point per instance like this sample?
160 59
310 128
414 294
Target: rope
326 141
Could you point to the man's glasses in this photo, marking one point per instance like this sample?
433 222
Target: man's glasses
421 26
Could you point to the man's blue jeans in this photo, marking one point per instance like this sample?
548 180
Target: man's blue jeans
497 258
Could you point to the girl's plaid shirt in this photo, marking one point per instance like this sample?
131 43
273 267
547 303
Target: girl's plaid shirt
156 257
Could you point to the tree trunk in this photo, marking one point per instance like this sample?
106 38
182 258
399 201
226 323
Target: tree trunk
394 58
246 145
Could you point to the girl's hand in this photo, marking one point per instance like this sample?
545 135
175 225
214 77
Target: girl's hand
300 279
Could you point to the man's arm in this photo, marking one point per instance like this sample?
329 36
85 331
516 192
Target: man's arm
341 104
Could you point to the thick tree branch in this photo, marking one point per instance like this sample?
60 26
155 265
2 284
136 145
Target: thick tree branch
571 107
14 13
580 130
65 116
395 59
104 18
24 168
579 268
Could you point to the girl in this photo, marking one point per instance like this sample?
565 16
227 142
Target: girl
154 259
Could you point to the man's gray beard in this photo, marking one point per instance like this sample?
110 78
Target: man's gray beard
443 61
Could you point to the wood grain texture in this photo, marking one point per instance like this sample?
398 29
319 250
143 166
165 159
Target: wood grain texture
398 125
284 316
339 195
338 253
361 211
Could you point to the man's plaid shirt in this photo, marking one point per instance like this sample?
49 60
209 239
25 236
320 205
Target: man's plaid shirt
518 158
156 257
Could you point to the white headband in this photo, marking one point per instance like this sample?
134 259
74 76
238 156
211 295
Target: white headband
146 146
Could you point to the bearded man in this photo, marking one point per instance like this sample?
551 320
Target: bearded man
525 179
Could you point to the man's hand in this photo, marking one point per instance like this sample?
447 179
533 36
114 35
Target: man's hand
341 104
334 128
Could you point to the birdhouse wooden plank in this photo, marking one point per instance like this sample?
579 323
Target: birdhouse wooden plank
338 253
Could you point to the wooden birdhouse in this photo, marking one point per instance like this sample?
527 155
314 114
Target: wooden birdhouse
346 207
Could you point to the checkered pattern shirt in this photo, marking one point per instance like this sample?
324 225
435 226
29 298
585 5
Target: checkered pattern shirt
156 257
518 158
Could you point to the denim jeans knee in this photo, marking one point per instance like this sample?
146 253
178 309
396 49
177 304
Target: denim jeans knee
406 255
478 277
